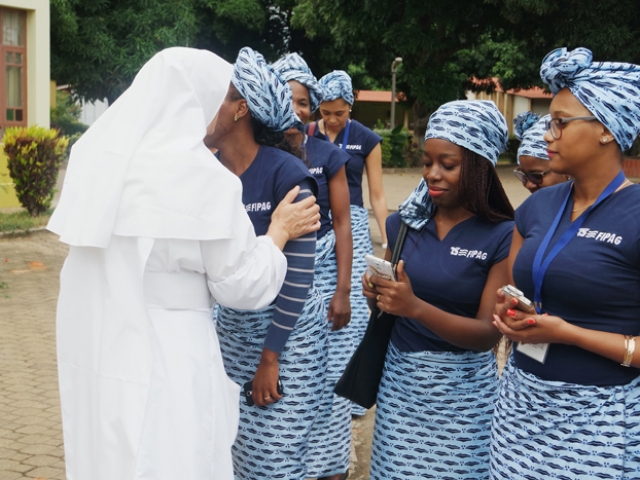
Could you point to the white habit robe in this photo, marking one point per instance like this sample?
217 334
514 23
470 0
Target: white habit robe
157 230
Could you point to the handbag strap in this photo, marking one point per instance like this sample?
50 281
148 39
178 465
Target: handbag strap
312 129
397 248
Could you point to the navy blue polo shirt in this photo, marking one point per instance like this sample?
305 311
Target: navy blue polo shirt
266 182
325 161
594 282
361 142
450 274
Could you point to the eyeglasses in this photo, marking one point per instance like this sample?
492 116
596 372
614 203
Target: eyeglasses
535 178
555 125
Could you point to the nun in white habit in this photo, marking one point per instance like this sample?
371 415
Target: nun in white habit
157 232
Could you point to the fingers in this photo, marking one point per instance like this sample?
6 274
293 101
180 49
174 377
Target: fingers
265 396
400 274
291 195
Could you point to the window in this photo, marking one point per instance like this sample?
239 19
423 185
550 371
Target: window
13 68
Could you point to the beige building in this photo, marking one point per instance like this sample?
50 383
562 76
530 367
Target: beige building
25 88
514 102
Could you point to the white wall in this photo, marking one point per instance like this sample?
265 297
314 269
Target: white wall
92 110
520 105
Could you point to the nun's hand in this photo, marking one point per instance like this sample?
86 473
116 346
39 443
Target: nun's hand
265 381
292 220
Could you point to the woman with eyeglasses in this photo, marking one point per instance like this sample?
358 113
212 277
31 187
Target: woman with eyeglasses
533 170
569 403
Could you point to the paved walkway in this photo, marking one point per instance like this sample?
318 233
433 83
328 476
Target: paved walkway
30 426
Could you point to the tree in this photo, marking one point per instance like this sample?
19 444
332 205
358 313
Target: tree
98 46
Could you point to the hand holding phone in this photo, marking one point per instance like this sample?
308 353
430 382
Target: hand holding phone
524 304
248 391
379 267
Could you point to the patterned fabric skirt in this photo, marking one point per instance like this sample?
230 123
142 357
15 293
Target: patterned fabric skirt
330 442
433 418
546 429
359 308
273 441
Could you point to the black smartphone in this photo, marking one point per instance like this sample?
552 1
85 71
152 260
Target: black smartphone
248 391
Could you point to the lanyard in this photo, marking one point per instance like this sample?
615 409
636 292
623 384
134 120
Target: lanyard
540 267
345 138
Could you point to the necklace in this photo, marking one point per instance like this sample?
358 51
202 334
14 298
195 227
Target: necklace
626 183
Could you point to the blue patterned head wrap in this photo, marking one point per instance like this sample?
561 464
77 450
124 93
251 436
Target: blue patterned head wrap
530 130
293 67
609 90
268 96
476 125
337 84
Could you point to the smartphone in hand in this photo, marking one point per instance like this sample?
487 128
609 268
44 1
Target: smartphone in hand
380 267
248 391
524 304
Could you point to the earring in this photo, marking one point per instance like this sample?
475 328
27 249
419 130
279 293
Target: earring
235 118
604 140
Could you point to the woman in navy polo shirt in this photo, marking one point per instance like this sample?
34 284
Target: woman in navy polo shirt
363 146
330 442
569 407
289 338
533 170
436 397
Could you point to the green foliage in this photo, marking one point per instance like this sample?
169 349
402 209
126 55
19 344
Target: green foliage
98 46
34 157
65 115
396 146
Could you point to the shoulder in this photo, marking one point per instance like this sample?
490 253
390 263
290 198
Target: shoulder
494 230
285 164
366 133
543 201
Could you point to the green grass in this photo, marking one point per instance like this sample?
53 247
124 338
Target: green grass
20 221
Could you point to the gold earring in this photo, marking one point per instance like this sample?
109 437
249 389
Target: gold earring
235 118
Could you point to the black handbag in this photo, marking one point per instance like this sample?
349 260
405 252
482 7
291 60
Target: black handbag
361 379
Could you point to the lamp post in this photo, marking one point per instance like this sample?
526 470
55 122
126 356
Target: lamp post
394 67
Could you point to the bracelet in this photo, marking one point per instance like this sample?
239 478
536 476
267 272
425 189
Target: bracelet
630 347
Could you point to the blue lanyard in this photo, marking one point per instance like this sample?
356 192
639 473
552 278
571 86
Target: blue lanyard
540 267
345 138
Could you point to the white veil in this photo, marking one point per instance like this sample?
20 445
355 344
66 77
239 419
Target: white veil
142 169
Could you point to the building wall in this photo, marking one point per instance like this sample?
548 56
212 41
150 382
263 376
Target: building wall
540 106
368 113
38 83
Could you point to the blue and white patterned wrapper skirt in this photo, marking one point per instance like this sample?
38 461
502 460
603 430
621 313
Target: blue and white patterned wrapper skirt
546 429
273 441
330 442
359 308
433 418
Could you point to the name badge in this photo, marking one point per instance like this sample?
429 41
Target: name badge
537 351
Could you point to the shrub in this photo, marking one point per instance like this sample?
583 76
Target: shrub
394 146
65 116
512 148
34 157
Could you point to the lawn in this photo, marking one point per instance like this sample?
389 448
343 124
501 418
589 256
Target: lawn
21 221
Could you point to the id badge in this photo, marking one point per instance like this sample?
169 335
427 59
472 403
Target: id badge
537 351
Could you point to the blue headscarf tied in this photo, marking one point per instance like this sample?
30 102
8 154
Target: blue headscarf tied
530 130
337 84
476 125
293 67
268 96
609 90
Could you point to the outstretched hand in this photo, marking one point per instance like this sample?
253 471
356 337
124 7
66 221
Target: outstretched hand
292 220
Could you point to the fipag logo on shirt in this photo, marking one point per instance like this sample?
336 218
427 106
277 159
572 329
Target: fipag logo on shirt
599 236
463 252
316 170
258 207
352 147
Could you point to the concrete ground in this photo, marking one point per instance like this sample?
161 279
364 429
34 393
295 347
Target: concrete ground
30 425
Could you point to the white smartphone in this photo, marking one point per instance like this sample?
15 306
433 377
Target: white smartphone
380 267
